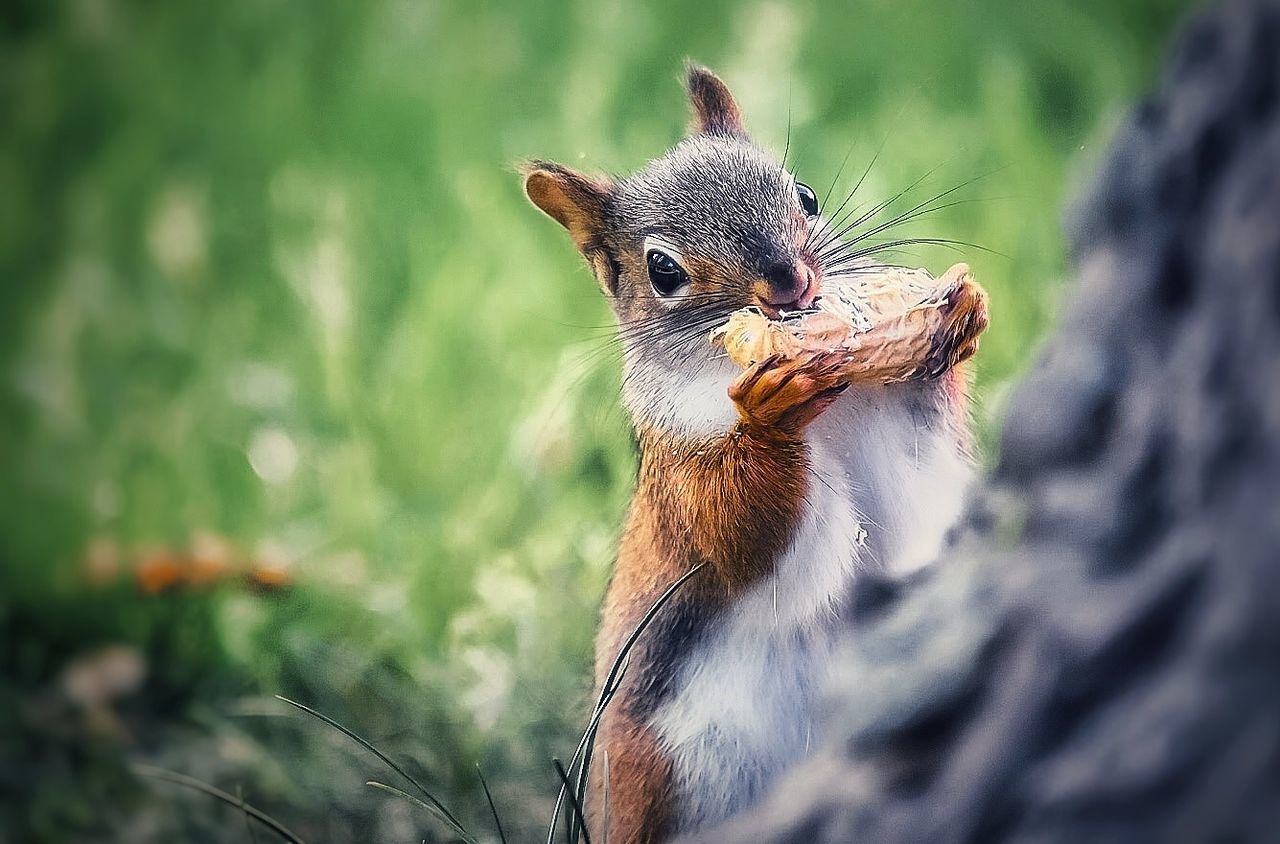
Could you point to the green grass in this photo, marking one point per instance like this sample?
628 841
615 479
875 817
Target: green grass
268 275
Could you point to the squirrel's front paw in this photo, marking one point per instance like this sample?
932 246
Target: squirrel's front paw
788 394
965 318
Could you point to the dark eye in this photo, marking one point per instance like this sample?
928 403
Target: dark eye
808 199
664 273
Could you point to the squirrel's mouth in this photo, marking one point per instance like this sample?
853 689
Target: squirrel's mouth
804 302
811 292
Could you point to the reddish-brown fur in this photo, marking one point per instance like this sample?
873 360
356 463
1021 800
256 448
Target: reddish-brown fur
639 806
732 502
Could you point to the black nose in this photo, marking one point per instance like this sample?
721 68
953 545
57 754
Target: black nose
787 280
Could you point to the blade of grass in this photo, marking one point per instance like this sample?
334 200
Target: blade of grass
248 827
231 800
581 824
432 810
497 822
607 690
604 798
387 760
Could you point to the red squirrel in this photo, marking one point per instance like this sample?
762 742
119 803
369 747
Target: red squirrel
781 480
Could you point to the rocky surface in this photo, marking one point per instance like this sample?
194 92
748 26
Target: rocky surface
1097 658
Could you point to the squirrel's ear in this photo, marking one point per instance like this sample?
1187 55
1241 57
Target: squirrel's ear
714 110
573 200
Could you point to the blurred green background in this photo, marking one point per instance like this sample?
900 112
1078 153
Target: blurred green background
298 394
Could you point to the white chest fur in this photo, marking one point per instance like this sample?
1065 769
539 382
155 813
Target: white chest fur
885 487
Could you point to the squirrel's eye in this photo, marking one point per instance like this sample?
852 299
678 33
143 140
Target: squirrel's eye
664 273
808 199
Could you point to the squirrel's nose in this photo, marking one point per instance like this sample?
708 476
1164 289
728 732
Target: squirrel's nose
787 285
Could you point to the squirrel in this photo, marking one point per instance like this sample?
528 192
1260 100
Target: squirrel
782 481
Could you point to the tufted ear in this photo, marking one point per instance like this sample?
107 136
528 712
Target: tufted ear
714 110
573 200
579 203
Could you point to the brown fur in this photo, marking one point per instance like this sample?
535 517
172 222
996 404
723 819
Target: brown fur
714 109
955 344
732 502
957 340
640 799
573 200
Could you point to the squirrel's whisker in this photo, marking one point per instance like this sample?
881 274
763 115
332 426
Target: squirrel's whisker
918 210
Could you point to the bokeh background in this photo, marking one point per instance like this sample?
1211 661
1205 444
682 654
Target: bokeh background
298 394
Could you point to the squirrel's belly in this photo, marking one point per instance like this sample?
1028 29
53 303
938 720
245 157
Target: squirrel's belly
743 707
744 713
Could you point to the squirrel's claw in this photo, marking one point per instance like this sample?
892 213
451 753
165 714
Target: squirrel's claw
965 318
788 394
785 394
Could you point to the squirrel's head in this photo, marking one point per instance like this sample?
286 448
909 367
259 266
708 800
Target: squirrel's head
714 225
